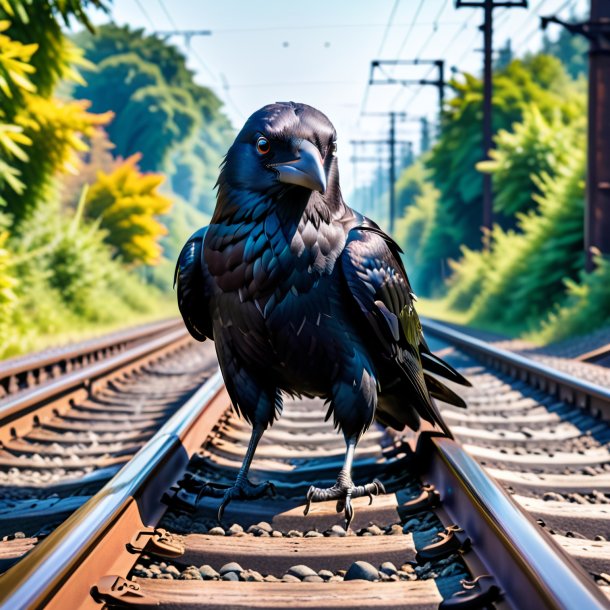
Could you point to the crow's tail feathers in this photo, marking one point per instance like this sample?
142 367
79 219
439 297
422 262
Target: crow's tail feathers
433 364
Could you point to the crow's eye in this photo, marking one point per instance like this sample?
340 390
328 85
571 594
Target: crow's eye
263 146
333 149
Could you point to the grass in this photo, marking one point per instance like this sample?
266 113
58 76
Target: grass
82 330
440 310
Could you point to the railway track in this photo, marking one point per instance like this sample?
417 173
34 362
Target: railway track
446 533
75 425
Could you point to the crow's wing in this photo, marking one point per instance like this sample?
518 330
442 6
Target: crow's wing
192 282
377 281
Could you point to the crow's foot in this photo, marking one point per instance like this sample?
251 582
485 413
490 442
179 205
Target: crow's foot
343 491
242 489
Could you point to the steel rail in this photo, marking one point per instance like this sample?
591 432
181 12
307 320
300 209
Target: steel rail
566 387
35 364
61 570
531 570
42 399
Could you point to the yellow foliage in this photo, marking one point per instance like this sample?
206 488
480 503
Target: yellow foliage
14 63
60 127
126 202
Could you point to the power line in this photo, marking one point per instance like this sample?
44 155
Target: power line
408 34
168 15
387 27
440 12
365 95
527 37
144 12
441 54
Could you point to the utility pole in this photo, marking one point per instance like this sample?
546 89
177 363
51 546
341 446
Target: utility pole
377 65
487 27
391 143
597 208
425 135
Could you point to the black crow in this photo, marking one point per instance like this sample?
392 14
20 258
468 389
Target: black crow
302 295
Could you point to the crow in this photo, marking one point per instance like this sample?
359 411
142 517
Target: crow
304 296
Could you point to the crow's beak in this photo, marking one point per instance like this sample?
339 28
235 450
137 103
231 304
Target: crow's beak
306 170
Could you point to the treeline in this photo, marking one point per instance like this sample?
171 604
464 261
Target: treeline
531 277
101 135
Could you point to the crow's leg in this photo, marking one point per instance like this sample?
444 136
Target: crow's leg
242 489
344 489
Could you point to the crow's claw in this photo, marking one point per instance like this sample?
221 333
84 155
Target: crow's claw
343 491
242 489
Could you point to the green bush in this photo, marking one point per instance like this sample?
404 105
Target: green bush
586 307
535 146
525 272
411 234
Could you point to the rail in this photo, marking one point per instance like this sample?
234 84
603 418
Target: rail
43 399
20 373
566 387
60 571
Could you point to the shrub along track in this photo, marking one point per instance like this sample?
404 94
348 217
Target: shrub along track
445 534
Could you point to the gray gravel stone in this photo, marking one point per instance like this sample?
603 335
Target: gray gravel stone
232 576
388 568
325 574
552 496
232 566
252 576
191 574
173 570
300 571
164 577
375 530
313 534
208 572
276 534
290 578
362 570
295 534
235 529
216 531
313 578
395 530
263 525
337 530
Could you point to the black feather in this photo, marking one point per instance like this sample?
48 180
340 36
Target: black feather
300 293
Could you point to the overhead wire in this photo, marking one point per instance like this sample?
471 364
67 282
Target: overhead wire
530 34
368 85
145 13
221 80
408 34
168 15
442 54
387 27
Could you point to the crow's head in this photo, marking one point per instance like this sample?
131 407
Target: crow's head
281 146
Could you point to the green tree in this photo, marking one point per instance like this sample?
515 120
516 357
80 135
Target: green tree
522 276
538 79
572 50
535 147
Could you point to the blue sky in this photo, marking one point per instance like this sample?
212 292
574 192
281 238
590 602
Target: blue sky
319 52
